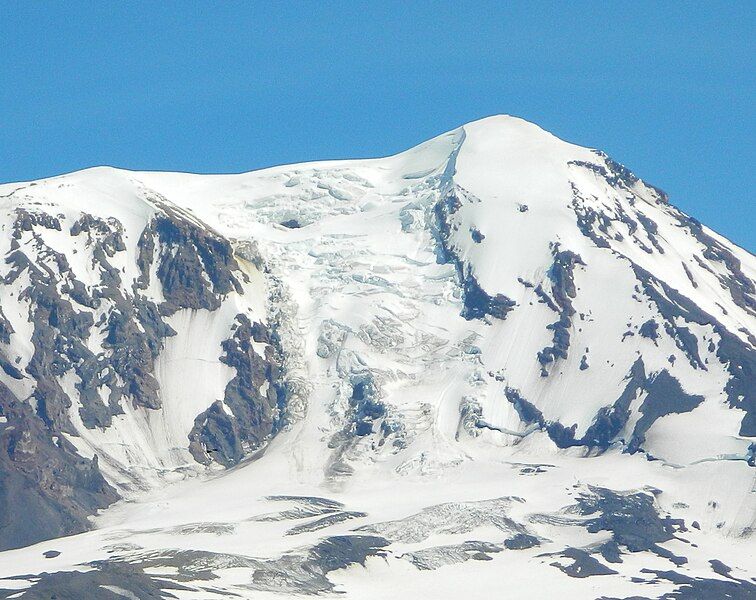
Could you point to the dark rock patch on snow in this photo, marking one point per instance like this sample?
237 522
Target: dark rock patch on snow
582 565
249 414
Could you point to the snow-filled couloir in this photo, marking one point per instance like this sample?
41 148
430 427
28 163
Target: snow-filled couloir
496 350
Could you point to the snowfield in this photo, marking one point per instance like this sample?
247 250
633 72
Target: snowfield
495 364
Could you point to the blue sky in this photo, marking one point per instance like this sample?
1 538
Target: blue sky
665 88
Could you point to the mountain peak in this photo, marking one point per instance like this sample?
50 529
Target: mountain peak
517 132
397 357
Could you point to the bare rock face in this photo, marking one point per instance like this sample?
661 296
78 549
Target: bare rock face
246 418
46 489
95 297
195 266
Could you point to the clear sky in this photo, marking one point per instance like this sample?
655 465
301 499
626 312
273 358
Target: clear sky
665 88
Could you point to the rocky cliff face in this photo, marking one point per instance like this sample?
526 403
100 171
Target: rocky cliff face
497 352
91 304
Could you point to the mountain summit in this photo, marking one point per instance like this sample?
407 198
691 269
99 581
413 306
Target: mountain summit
494 359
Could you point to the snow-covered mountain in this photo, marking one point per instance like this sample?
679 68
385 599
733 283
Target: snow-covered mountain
494 363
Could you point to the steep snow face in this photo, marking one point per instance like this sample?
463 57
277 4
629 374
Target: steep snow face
462 326
622 279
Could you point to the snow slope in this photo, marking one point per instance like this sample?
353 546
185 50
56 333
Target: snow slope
499 349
